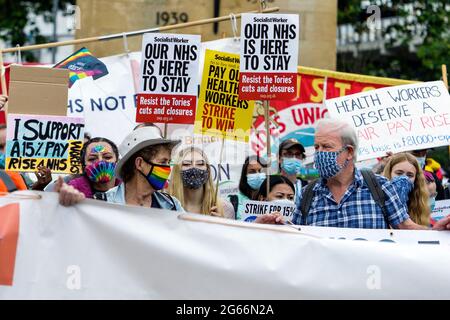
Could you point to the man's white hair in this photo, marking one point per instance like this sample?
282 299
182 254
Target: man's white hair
345 130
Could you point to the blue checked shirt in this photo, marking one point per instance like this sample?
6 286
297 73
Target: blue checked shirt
357 208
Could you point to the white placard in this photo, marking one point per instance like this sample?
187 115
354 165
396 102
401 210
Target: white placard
396 119
269 56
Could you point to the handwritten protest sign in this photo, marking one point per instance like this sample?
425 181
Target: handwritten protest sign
441 210
269 56
220 112
169 78
399 118
253 209
54 142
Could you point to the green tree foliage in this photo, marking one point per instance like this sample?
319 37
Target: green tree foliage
18 22
422 19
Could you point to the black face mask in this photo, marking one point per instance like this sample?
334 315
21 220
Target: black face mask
194 178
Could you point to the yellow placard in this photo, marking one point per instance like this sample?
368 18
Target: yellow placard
220 113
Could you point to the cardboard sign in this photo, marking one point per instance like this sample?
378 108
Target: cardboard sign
269 56
396 119
50 141
220 112
253 209
169 78
441 210
34 90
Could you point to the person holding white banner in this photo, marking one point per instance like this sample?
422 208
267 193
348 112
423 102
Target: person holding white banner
280 189
344 196
291 153
192 184
253 174
144 169
405 165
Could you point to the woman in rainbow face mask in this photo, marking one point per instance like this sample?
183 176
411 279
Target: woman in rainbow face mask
144 170
100 156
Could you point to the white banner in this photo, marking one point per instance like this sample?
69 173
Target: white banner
97 250
396 119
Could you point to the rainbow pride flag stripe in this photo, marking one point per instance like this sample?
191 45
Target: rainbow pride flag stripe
159 176
82 64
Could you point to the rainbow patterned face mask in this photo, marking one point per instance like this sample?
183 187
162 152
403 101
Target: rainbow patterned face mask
158 175
100 171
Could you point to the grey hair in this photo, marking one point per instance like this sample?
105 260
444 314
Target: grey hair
346 131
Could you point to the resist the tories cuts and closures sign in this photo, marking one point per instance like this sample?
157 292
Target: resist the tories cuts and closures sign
396 119
269 56
169 78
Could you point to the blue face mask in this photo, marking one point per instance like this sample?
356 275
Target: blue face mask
291 165
326 163
255 180
2 160
403 186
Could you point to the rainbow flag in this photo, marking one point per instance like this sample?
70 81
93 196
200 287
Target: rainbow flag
158 176
82 64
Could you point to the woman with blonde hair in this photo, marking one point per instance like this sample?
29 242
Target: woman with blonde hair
191 182
405 164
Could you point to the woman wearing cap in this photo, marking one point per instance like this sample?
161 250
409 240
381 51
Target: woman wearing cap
144 169
193 185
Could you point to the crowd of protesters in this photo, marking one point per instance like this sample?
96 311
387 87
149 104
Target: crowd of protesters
399 192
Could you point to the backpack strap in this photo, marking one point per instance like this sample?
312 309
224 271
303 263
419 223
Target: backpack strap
235 202
10 185
377 192
307 198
